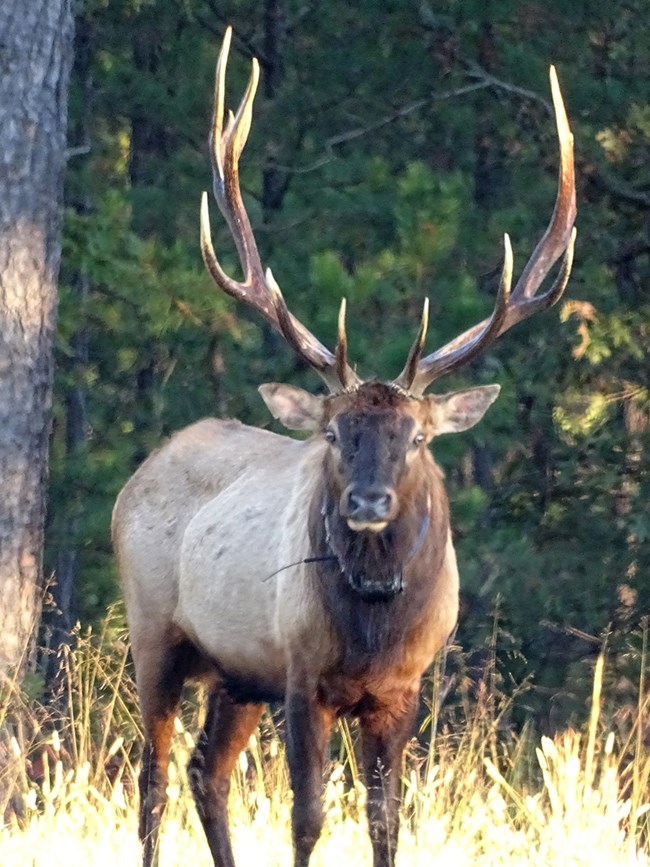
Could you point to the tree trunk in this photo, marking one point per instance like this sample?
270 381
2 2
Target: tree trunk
35 60
275 181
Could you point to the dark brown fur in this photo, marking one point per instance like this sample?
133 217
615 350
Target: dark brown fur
376 636
412 545
368 628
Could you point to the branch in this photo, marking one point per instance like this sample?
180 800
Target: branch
621 190
359 132
629 252
245 44
482 81
352 134
475 71
78 151
612 185
303 12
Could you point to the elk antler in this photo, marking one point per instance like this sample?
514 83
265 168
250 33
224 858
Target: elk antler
523 302
259 290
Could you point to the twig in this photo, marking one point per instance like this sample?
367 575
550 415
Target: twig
352 134
488 80
621 190
77 151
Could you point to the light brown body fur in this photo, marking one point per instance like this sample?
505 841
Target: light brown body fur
200 529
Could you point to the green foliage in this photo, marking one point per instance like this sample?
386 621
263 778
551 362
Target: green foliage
374 171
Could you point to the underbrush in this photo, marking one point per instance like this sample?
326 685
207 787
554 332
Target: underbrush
480 794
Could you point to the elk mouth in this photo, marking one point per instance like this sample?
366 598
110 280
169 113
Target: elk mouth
376 591
363 555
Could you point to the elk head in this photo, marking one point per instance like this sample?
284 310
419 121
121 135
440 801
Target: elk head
377 437
380 492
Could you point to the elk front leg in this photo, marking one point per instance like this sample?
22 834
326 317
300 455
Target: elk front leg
385 731
308 729
228 726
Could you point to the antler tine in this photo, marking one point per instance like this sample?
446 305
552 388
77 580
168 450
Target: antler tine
406 378
555 239
335 376
470 344
343 369
558 238
226 146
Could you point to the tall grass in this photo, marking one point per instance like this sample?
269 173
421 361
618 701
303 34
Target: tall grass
68 793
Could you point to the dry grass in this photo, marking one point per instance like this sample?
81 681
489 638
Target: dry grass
67 791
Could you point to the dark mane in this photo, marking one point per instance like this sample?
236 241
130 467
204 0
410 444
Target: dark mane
413 547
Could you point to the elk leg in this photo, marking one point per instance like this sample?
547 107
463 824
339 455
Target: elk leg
385 732
160 682
228 726
153 785
308 729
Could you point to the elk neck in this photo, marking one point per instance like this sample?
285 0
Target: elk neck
375 586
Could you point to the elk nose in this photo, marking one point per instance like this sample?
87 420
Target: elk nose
370 504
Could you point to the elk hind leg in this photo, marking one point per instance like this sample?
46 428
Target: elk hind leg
228 727
160 677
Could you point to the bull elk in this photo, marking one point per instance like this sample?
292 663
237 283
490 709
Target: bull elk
320 572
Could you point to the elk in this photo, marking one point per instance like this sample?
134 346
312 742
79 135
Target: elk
317 572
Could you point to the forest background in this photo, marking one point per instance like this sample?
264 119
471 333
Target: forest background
393 144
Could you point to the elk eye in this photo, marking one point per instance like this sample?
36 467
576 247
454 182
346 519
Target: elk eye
418 439
330 436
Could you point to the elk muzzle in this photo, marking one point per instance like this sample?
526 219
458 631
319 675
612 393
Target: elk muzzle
368 508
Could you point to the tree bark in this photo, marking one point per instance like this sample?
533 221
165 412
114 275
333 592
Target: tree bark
35 60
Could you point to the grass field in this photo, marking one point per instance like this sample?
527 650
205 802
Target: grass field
478 797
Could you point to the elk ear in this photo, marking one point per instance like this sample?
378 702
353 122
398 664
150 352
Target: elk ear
294 407
461 410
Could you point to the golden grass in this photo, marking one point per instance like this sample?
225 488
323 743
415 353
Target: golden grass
67 789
